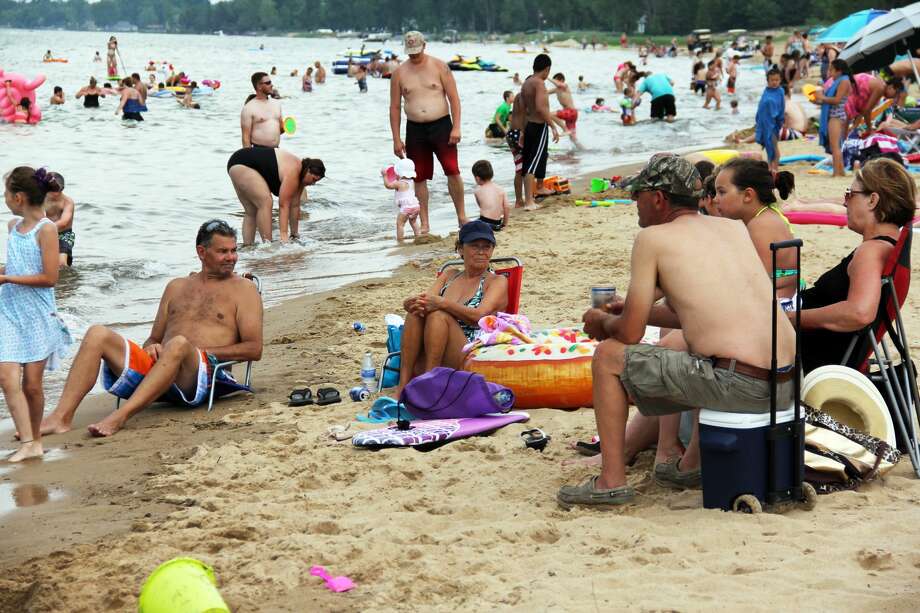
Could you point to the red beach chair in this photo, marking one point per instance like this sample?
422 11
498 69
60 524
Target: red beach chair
897 379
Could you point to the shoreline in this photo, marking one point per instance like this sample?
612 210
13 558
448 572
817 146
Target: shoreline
255 490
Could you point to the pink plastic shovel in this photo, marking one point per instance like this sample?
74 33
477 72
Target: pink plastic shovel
335 584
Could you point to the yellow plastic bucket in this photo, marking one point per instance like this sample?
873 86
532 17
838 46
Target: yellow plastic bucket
181 585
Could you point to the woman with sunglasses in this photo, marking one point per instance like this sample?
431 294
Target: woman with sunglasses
442 320
845 299
257 174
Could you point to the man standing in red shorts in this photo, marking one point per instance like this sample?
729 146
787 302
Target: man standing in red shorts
432 122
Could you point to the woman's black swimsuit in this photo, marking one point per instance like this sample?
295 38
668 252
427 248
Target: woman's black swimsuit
821 347
91 101
263 161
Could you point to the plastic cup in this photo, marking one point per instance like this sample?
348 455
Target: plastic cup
601 295
181 584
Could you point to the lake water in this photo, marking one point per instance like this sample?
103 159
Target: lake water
143 189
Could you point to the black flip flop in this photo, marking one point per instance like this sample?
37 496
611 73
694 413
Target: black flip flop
327 395
300 397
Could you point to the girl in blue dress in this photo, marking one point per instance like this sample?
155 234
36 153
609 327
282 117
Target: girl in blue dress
32 334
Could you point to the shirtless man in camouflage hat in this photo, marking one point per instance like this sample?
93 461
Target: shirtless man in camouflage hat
691 260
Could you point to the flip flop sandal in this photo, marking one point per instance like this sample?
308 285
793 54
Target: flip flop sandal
327 395
300 397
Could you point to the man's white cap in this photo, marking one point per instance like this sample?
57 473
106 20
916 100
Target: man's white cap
413 42
405 168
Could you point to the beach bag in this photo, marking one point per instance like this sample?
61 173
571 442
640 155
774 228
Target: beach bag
445 393
879 146
838 457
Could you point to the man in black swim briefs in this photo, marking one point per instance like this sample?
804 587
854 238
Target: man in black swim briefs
432 107
536 132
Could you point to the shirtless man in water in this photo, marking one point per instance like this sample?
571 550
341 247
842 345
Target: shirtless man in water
260 120
432 122
204 318
534 138
767 52
689 259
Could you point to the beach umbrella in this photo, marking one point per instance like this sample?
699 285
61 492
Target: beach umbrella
879 43
843 30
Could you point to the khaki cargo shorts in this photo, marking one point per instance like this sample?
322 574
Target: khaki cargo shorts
662 381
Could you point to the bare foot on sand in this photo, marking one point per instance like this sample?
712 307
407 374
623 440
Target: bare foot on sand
532 207
107 427
51 425
32 449
595 460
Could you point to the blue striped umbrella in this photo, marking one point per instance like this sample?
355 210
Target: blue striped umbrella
843 30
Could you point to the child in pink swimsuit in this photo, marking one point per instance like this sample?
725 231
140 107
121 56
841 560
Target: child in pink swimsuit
406 202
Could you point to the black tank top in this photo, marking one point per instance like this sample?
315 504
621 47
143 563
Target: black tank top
91 100
822 347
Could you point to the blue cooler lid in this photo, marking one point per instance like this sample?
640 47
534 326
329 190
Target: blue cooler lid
744 421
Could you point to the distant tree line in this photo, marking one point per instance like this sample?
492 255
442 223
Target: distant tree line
485 16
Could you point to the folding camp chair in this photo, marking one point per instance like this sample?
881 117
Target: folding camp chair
247 381
868 348
515 275
908 140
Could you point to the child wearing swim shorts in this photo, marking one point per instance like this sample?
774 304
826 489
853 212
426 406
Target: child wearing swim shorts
492 200
59 208
407 206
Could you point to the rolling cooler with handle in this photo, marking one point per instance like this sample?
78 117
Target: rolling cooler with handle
754 461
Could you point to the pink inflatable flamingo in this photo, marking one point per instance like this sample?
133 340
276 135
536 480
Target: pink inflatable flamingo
19 87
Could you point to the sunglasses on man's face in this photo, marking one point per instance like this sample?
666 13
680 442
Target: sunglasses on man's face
266 83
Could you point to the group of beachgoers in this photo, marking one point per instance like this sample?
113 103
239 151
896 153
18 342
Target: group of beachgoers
714 351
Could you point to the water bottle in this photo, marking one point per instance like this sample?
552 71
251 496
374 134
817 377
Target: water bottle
368 372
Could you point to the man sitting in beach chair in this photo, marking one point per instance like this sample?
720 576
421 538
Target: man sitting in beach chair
204 318
712 280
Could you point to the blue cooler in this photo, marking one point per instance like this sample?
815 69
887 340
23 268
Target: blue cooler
733 456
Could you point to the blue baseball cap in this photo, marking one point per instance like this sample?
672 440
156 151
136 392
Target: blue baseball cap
476 230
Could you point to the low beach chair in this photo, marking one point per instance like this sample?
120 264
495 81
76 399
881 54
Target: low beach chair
869 353
246 386
515 275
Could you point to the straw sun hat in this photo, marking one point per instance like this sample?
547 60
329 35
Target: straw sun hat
849 397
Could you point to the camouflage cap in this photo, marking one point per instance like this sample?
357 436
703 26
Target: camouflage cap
669 173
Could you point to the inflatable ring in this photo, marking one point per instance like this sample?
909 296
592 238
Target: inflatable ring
554 372
808 157
816 218
20 87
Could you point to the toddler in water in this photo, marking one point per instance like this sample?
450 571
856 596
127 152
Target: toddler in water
406 203
628 107
600 107
492 200
31 332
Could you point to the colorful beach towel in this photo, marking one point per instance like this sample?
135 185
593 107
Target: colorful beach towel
499 329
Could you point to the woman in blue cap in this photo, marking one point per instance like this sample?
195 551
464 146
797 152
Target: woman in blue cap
440 321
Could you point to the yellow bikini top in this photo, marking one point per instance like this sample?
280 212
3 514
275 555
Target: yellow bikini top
778 211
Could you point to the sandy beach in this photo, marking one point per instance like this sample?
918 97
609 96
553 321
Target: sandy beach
258 491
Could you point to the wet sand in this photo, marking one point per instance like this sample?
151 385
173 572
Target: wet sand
258 491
